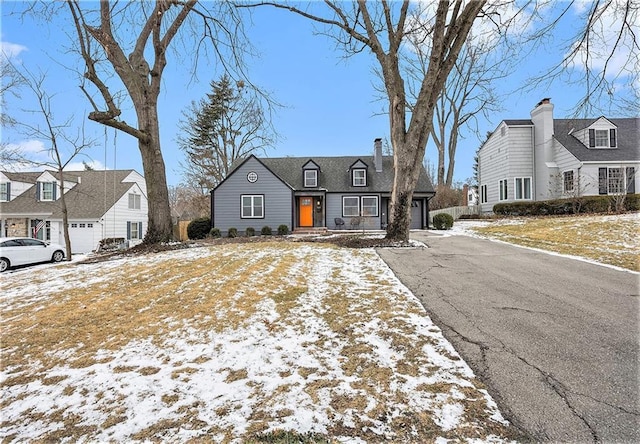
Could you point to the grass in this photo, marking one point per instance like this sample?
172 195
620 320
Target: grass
611 239
230 343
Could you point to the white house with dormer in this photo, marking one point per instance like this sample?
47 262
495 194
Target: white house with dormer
100 205
544 158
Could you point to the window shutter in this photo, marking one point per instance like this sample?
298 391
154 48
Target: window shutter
38 186
631 180
602 181
128 230
8 191
612 138
140 236
55 189
592 138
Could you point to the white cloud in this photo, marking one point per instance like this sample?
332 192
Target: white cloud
10 50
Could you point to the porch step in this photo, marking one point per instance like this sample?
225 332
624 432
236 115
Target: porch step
309 230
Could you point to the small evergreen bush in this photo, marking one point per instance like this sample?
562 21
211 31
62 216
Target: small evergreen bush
266 231
250 231
233 232
199 228
442 221
283 230
215 232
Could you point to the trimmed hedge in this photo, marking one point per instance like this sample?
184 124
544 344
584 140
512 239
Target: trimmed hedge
442 221
250 231
199 228
585 204
233 232
266 231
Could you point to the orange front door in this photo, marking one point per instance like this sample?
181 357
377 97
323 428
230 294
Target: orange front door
306 212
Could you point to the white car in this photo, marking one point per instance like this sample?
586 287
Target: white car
16 251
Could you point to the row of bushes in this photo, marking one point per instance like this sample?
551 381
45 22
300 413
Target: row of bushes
576 205
200 229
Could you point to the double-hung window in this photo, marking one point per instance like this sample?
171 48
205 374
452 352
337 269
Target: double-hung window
359 177
567 181
350 206
310 178
134 201
252 206
503 189
4 192
602 138
616 181
134 230
369 206
522 188
47 191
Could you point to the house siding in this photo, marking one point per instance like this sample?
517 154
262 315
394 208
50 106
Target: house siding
334 209
278 199
114 221
505 157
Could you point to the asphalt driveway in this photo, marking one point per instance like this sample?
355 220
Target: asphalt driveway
555 339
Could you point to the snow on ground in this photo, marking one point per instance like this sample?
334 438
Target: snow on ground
352 356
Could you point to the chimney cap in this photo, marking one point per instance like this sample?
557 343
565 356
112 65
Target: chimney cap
378 139
543 101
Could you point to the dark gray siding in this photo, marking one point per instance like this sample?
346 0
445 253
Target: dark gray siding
278 199
334 209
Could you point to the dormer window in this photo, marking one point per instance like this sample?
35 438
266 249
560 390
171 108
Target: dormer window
602 138
359 177
310 178
47 191
5 192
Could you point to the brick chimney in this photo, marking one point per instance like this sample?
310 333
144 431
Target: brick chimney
377 154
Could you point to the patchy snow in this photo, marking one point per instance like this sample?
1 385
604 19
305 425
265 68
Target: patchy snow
466 228
275 371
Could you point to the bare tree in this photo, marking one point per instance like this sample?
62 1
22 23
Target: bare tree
63 146
145 31
383 28
468 93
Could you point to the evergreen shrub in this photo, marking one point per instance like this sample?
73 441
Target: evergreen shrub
199 228
232 232
283 230
215 232
266 231
250 231
442 221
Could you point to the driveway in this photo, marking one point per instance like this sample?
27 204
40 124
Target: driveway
554 339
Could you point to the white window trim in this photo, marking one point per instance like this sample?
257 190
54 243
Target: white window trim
363 178
4 195
619 182
135 201
253 198
377 213
566 190
42 186
521 189
607 143
311 181
502 197
351 206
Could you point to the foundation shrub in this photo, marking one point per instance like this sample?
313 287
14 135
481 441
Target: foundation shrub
250 231
215 232
266 231
199 228
575 205
232 232
283 230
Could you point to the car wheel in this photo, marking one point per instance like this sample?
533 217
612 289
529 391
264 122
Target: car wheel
4 264
57 256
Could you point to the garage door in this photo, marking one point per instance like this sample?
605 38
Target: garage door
82 237
416 214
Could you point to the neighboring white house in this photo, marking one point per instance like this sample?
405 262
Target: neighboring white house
100 204
544 158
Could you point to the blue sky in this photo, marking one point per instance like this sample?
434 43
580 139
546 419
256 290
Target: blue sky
330 106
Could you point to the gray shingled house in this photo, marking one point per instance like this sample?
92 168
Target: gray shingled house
313 193
100 204
544 158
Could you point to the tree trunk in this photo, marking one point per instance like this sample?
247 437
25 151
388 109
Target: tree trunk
160 226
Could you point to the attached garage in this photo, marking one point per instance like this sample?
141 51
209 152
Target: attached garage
84 236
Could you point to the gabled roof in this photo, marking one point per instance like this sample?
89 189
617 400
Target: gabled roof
90 198
335 177
628 140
